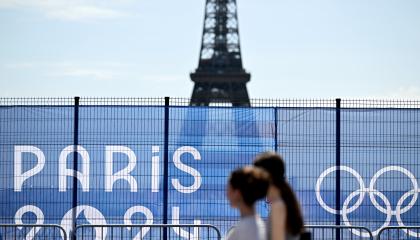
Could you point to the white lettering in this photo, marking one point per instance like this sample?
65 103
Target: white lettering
149 220
181 232
155 169
123 174
19 177
39 219
93 217
193 172
64 172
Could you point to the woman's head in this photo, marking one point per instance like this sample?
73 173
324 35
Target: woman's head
275 166
247 185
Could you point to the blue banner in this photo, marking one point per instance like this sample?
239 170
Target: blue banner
120 172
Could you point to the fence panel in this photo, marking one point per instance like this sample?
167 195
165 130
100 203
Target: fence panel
212 142
380 168
329 232
399 233
33 132
31 231
148 231
307 140
139 161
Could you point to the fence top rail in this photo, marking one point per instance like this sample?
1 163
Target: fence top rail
400 227
31 225
146 225
160 101
335 226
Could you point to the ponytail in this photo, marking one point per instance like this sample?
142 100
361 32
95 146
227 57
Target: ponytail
294 217
274 165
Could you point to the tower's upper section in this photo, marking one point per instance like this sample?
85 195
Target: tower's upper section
220 76
220 48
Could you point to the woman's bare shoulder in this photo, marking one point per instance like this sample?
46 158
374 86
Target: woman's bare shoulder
278 205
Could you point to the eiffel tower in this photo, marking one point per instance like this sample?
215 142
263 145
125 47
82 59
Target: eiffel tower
220 76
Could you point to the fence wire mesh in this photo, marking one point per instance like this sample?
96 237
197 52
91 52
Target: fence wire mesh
32 231
144 231
144 160
328 232
399 232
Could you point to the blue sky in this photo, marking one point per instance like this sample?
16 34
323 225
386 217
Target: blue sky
292 48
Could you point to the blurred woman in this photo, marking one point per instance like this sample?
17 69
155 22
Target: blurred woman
247 185
285 221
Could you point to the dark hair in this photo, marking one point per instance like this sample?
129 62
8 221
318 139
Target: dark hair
251 182
274 165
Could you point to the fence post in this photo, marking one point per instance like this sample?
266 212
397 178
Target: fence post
276 143
166 166
337 164
75 163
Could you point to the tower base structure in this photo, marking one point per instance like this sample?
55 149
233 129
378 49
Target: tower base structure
220 88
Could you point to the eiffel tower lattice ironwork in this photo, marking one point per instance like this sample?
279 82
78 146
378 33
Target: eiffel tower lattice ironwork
220 76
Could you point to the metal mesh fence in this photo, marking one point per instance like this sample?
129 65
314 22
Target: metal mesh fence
160 161
398 232
144 231
32 231
327 232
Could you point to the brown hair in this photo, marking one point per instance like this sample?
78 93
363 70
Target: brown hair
251 182
274 165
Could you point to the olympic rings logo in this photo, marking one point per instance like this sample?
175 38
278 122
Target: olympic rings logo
373 193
